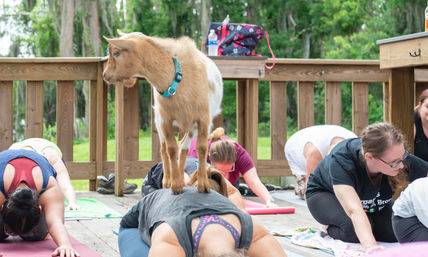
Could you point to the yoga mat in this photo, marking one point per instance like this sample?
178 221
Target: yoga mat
256 208
16 247
416 249
90 209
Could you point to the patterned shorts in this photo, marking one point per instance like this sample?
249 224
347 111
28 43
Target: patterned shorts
300 188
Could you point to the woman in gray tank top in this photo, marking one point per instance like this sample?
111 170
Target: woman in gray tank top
193 223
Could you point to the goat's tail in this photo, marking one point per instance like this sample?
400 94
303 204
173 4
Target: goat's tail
216 134
183 139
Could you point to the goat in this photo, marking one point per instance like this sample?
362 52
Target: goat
188 110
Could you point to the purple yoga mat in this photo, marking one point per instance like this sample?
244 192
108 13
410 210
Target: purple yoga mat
16 247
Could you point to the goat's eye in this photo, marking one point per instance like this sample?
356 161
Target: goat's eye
116 53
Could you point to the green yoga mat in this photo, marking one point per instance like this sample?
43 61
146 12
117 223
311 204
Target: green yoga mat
90 209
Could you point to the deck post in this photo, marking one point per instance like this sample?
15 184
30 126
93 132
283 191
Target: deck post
401 100
120 140
34 109
6 114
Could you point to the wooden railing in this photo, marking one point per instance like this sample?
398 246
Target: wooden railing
246 72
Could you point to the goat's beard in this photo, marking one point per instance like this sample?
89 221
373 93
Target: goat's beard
128 82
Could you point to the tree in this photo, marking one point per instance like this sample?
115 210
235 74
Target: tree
66 36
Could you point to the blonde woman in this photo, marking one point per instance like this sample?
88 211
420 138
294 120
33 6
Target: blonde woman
233 161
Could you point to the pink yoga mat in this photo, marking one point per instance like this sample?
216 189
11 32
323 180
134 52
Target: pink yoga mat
15 247
258 208
417 249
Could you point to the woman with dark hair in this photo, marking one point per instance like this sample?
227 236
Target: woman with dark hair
351 190
54 155
421 126
193 224
232 160
32 204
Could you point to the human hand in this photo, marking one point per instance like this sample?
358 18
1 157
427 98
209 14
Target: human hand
73 206
65 251
373 248
270 203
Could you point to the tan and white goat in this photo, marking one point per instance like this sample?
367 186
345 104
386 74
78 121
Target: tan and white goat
190 109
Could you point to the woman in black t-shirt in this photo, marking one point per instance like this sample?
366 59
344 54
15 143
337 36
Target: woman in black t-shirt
421 126
351 190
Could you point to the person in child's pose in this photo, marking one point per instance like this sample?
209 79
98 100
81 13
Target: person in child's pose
351 189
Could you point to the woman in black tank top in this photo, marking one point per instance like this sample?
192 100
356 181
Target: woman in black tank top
421 125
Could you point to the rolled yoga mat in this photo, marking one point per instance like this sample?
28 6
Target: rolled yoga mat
256 208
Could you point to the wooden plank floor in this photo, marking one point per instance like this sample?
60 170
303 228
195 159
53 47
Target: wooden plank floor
98 234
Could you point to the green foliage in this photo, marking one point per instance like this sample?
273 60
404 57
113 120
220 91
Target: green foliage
44 39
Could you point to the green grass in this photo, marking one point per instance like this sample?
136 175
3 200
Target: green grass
81 154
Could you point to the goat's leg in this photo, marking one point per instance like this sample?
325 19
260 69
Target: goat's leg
176 176
202 149
166 181
184 147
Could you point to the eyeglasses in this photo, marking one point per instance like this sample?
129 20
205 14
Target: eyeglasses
231 170
395 164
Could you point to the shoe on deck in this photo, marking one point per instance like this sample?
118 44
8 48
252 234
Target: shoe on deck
106 186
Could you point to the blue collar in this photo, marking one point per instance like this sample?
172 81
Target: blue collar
177 78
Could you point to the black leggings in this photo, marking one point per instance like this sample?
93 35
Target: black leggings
327 210
409 229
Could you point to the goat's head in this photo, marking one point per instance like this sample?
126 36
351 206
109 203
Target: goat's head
122 64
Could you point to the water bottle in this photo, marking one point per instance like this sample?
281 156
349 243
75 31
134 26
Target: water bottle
212 43
426 17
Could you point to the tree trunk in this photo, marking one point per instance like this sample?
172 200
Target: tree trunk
173 16
55 9
66 36
251 11
205 18
306 44
94 25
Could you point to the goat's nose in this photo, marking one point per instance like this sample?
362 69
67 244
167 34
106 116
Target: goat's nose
106 76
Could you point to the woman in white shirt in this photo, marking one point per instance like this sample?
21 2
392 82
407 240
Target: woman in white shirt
410 219
307 147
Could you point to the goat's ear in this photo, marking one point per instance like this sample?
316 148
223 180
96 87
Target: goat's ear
121 43
120 32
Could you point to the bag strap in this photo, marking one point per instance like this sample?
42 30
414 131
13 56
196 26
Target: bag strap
270 49
223 36
202 45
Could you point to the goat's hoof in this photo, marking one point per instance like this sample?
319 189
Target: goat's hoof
177 189
203 187
166 183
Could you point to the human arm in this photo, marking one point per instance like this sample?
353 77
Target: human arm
351 203
312 156
253 181
63 178
52 204
234 195
263 243
165 242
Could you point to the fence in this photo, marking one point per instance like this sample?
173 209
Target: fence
247 73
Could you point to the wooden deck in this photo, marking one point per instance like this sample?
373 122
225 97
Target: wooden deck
98 234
